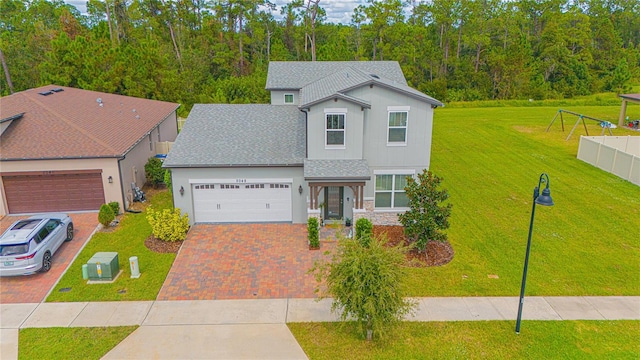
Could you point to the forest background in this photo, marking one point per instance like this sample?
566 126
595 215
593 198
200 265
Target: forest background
215 51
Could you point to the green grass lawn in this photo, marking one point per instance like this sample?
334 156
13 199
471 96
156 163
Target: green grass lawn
475 340
491 159
70 343
127 240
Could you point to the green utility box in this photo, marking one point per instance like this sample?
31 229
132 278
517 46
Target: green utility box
103 266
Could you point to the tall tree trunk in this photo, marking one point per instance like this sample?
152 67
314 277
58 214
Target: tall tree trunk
459 43
109 22
240 48
173 35
6 72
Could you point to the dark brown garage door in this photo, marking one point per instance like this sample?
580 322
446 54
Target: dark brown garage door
53 191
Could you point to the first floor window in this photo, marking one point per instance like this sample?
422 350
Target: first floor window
335 130
390 191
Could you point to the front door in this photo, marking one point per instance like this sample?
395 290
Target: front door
333 202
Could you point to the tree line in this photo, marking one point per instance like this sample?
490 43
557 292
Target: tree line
217 51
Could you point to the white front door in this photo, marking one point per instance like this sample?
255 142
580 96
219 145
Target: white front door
246 202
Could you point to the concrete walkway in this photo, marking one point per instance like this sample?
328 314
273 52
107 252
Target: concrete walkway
250 329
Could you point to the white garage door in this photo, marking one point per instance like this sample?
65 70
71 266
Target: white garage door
246 202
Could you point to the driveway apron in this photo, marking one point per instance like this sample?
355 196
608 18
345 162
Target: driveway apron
34 288
244 261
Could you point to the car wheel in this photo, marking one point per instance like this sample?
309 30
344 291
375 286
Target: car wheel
46 262
69 232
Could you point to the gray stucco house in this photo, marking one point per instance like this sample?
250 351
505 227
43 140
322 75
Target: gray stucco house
337 141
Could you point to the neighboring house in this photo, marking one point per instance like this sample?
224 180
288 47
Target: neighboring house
66 149
337 141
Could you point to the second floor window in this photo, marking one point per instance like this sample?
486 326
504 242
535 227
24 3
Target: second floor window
335 130
397 131
288 98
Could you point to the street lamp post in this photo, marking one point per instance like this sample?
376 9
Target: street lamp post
545 200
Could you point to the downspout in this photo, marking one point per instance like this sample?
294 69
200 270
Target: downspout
125 205
306 137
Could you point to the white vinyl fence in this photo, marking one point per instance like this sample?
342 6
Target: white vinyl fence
619 155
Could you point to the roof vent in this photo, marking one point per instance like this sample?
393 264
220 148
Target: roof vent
45 93
375 76
57 89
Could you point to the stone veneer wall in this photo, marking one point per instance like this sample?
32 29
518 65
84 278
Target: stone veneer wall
376 218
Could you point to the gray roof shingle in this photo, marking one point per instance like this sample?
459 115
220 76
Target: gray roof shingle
287 75
349 78
218 135
336 170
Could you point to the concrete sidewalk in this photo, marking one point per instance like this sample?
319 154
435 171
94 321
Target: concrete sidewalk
248 329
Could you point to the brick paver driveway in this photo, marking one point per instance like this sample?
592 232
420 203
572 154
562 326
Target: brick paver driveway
33 288
243 261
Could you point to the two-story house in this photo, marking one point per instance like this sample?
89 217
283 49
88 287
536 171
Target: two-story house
337 141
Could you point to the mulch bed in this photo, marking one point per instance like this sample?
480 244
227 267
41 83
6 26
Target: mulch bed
159 246
438 253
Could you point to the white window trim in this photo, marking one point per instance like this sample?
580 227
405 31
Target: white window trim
335 147
408 172
396 109
293 98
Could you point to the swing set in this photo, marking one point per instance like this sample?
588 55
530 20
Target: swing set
603 123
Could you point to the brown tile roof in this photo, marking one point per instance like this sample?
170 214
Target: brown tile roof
72 123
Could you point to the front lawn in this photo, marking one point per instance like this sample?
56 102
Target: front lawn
70 343
491 159
127 240
475 340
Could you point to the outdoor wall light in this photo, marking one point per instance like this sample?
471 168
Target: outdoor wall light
110 179
544 200
181 191
300 189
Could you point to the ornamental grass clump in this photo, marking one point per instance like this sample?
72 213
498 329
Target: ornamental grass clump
367 284
168 224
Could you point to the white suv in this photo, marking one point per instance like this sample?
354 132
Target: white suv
28 245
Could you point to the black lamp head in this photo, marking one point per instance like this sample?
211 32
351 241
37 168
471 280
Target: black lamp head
545 198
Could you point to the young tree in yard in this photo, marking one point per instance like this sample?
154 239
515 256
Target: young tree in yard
367 284
153 171
427 216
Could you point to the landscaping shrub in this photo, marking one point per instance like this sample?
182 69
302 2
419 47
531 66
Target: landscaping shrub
167 179
367 284
115 207
105 215
427 217
364 231
312 233
153 171
168 224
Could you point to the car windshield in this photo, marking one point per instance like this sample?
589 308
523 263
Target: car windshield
26 224
16 249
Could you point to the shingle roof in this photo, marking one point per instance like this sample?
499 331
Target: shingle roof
336 170
217 135
333 85
288 75
349 78
72 124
